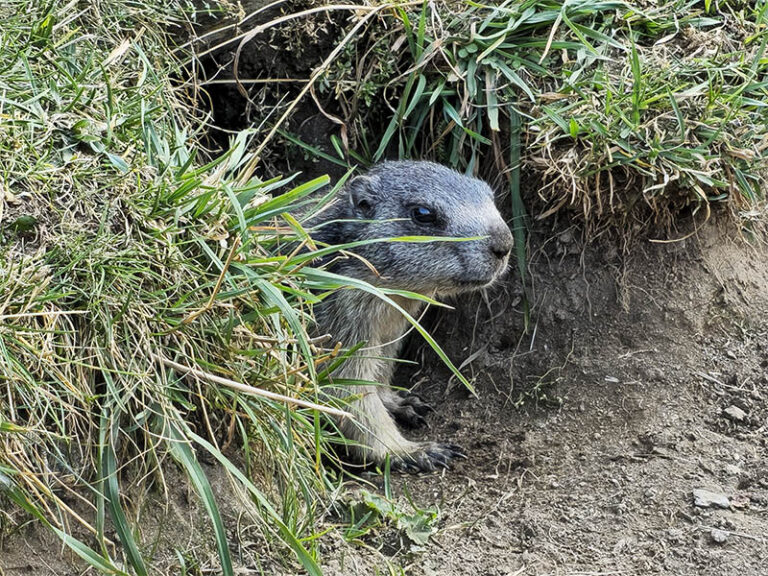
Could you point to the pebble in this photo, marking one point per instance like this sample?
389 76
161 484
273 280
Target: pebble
732 470
708 499
718 536
735 413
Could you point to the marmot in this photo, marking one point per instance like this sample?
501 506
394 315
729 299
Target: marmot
397 199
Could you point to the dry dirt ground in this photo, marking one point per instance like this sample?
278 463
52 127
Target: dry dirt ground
643 378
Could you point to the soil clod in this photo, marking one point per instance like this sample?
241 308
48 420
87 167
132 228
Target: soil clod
718 536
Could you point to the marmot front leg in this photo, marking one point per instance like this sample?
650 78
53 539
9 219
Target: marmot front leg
376 436
406 408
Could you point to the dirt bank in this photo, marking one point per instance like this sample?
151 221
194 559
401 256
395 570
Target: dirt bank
643 379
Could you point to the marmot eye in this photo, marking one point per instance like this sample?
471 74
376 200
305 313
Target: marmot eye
423 215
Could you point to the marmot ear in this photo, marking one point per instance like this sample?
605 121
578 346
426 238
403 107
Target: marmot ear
361 191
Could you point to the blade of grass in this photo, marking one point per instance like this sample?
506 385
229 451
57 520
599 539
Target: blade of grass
183 454
111 491
518 206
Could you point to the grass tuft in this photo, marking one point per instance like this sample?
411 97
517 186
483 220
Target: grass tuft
119 249
630 113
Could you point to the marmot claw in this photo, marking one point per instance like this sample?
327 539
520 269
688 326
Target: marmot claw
428 458
416 401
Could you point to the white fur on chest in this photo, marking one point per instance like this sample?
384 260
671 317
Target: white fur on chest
356 317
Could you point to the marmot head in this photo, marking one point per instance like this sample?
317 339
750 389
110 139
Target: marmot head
396 199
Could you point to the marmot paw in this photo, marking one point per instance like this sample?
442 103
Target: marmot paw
428 457
410 410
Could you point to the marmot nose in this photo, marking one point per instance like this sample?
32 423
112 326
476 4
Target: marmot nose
501 243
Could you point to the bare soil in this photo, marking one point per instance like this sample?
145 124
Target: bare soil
642 378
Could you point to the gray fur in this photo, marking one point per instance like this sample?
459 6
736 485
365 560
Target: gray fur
380 205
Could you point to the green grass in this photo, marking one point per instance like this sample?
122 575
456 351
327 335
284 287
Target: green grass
120 247
628 112
148 294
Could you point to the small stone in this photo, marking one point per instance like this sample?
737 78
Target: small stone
732 470
731 354
735 413
718 536
708 499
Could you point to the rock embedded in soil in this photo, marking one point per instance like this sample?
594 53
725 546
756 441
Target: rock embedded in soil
707 499
718 536
735 413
